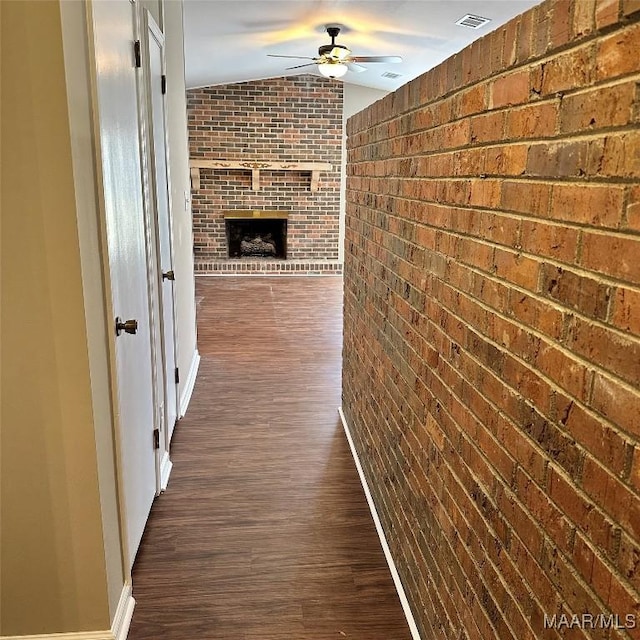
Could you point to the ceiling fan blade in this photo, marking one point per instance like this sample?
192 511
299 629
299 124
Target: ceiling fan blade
355 67
375 59
274 55
310 64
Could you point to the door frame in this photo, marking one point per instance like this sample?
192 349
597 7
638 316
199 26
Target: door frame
148 29
118 427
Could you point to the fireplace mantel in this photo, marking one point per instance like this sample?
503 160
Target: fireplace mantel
255 167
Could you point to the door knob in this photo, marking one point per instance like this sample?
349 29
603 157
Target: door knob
128 326
169 275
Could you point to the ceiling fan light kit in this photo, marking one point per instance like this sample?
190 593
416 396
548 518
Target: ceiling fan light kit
334 60
332 69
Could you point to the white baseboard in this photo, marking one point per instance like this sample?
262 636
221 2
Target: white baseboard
189 383
87 635
165 470
123 615
118 631
415 634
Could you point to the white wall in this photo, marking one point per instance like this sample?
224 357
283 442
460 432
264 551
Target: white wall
356 98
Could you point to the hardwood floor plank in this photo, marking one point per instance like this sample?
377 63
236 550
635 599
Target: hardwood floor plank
264 531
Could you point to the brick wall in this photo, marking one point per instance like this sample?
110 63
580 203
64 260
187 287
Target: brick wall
492 325
293 119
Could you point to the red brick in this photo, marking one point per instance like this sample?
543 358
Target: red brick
630 6
509 160
621 156
540 39
499 229
487 128
485 193
583 557
570 70
624 603
524 36
526 197
617 403
612 496
456 135
544 511
533 121
633 208
510 43
613 352
517 268
509 90
579 509
629 560
598 205
574 377
626 310
586 295
527 469
615 255
560 22
496 39
617 54
566 159
555 241
472 101
540 316
607 13
635 469
583 17
598 108
604 442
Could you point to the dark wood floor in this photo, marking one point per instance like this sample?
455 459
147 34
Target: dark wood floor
264 531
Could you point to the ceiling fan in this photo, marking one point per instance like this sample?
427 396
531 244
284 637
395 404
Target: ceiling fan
334 60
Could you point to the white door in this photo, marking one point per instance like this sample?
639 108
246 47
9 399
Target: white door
155 68
117 119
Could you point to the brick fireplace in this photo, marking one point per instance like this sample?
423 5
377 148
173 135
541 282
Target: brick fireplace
267 146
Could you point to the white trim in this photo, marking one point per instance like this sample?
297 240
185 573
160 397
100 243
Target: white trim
123 615
260 274
189 383
87 635
165 470
415 634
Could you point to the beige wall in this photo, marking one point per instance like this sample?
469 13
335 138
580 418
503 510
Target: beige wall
52 563
61 555
180 191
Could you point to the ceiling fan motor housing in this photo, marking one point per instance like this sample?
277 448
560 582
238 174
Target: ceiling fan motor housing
328 48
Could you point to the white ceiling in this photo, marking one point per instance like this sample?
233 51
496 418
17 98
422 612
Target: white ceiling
227 41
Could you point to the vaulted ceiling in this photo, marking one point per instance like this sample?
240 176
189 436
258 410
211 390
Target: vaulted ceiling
229 41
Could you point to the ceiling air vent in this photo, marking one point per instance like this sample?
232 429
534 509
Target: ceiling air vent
389 74
473 22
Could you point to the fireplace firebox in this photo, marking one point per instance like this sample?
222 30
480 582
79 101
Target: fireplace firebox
256 234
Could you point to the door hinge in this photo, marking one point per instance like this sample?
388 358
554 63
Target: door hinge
136 53
156 438
177 375
163 83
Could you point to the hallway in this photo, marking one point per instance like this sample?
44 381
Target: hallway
264 532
